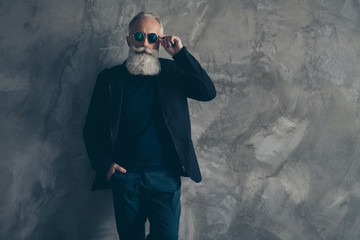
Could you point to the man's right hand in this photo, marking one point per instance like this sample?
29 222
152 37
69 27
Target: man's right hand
114 167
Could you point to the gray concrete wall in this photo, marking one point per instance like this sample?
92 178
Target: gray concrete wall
279 146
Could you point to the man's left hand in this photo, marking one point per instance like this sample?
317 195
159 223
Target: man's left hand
172 44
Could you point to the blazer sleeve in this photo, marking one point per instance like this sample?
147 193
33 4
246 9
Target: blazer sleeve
196 82
94 130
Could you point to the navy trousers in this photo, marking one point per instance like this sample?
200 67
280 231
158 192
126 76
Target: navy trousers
139 196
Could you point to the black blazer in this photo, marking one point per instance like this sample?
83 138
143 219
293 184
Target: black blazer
178 80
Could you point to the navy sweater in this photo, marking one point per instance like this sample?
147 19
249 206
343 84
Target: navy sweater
145 144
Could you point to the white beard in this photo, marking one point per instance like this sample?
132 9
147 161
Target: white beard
143 61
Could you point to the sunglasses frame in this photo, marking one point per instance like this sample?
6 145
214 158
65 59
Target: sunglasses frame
145 35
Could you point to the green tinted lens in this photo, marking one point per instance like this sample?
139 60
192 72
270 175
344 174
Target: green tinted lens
152 37
138 36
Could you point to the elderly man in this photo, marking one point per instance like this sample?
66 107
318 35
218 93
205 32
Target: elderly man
137 130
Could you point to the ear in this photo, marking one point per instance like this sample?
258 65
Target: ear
128 40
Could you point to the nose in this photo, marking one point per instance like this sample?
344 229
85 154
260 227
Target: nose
146 42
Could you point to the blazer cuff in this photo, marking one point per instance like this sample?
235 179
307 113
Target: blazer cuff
181 56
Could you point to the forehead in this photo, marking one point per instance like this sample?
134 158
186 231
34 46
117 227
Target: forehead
146 25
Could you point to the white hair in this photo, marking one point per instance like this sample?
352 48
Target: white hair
145 14
143 61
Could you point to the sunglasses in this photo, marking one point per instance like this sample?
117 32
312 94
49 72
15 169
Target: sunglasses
139 36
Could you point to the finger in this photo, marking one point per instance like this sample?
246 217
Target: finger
162 38
162 42
172 40
166 41
119 168
177 41
110 173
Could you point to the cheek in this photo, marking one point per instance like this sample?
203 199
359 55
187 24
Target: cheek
137 44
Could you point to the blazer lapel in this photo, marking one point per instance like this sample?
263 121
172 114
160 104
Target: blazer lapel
116 90
160 85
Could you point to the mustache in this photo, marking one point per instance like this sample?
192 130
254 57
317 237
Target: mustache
144 50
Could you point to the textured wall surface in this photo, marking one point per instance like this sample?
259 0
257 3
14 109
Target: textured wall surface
279 147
